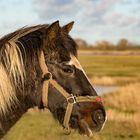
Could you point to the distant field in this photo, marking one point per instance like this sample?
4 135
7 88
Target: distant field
120 67
111 65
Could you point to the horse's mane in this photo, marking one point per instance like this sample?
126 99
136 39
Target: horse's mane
12 69
15 49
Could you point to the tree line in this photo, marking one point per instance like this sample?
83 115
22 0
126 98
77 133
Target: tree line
123 44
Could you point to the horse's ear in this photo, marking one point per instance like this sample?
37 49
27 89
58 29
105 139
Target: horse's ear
53 30
67 28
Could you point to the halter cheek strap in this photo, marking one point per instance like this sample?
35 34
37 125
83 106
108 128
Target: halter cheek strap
71 99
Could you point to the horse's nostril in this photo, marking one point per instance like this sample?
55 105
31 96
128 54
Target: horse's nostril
98 116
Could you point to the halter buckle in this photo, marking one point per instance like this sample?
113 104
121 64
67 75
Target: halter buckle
71 99
46 76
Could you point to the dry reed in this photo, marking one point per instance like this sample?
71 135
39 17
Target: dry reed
124 104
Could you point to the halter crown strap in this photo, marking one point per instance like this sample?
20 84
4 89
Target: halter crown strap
45 71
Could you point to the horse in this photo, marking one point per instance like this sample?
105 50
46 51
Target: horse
39 67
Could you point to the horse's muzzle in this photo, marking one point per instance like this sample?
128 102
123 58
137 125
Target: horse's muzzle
89 121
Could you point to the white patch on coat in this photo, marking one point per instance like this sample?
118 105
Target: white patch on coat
74 61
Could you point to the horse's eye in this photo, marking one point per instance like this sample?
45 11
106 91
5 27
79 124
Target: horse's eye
68 69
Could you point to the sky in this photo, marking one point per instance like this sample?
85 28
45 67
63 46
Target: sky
95 20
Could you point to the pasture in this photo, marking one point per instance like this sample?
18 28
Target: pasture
41 126
122 106
121 69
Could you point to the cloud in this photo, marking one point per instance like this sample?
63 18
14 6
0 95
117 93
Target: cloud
120 20
49 9
52 9
95 19
84 12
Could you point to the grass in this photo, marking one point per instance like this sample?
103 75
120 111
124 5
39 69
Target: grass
41 126
122 69
111 65
126 98
123 107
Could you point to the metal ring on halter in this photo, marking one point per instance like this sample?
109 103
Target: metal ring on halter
47 76
71 99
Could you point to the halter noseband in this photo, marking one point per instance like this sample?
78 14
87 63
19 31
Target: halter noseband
71 99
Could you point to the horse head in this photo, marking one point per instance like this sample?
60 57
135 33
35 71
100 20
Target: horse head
60 52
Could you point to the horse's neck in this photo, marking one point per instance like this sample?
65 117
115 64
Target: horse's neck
8 120
27 99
